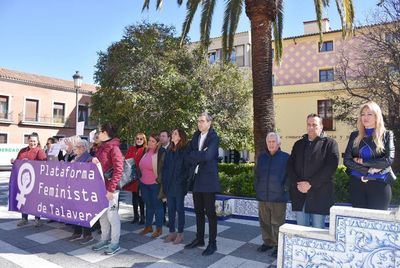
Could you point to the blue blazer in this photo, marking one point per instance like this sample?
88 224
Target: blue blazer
206 180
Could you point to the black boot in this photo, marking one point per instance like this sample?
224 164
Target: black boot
211 248
195 243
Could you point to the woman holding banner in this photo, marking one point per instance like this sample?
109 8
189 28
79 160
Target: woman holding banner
81 150
32 152
110 157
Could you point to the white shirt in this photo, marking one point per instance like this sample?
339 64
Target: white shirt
201 143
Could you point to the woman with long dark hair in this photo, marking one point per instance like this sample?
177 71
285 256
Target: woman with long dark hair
175 184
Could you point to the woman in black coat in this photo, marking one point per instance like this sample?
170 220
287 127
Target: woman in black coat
175 184
368 158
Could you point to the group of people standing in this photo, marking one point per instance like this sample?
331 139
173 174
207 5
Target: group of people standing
168 166
306 176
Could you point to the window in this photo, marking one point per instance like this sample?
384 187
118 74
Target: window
239 55
326 46
233 55
212 57
58 112
325 112
83 114
26 138
3 138
31 110
3 107
326 75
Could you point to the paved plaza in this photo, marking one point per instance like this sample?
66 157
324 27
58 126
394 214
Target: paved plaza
47 246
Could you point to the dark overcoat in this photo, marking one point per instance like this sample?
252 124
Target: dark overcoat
318 168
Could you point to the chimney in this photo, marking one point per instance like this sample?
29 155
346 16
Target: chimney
311 27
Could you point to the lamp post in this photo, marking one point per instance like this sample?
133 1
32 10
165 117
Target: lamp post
77 85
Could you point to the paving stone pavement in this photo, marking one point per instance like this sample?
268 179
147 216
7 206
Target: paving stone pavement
47 246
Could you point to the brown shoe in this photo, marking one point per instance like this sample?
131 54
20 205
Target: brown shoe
171 237
179 238
157 233
146 230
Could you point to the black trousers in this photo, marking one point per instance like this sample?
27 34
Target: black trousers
204 204
137 202
371 194
25 216
86 231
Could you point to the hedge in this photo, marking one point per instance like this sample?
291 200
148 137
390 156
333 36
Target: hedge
237 180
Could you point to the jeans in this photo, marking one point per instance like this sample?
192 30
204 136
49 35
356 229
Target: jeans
176 206
153 204
110 222
317 220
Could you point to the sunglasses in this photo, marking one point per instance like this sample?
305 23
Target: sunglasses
139 139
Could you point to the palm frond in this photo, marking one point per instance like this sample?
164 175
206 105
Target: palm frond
278 27
146 5
231 21
346 13
159 4
206 19
191 8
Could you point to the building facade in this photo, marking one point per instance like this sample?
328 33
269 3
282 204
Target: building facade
34 103
303 83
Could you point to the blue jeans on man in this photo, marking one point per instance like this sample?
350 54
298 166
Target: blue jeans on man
154 206
310 219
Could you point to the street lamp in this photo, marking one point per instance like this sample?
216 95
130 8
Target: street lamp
77 85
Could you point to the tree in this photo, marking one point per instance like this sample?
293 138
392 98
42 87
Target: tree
372 70
264 16
149 83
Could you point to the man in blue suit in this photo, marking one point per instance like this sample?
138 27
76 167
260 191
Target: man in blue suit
203 157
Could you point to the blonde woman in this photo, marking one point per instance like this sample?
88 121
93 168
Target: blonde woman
368 158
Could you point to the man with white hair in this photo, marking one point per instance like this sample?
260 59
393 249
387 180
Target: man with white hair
271 189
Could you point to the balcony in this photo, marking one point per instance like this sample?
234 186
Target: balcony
6 118
50 121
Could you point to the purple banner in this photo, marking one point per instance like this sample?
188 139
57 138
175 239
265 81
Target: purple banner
68 192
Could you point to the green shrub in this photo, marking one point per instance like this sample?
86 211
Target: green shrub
396 191
232 169
342 185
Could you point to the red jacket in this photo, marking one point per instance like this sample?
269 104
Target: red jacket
27 153
136 153
110 156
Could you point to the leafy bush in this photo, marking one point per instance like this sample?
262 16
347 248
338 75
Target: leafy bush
342 185
232 169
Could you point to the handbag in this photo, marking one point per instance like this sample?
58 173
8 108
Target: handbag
129 174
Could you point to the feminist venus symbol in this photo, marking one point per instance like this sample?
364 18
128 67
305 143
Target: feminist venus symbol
26 181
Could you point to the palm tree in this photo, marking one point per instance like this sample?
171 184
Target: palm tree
266 17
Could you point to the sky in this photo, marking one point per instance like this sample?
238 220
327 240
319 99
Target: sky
58 37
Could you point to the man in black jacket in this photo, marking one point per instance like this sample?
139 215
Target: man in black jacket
203 156
311 168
